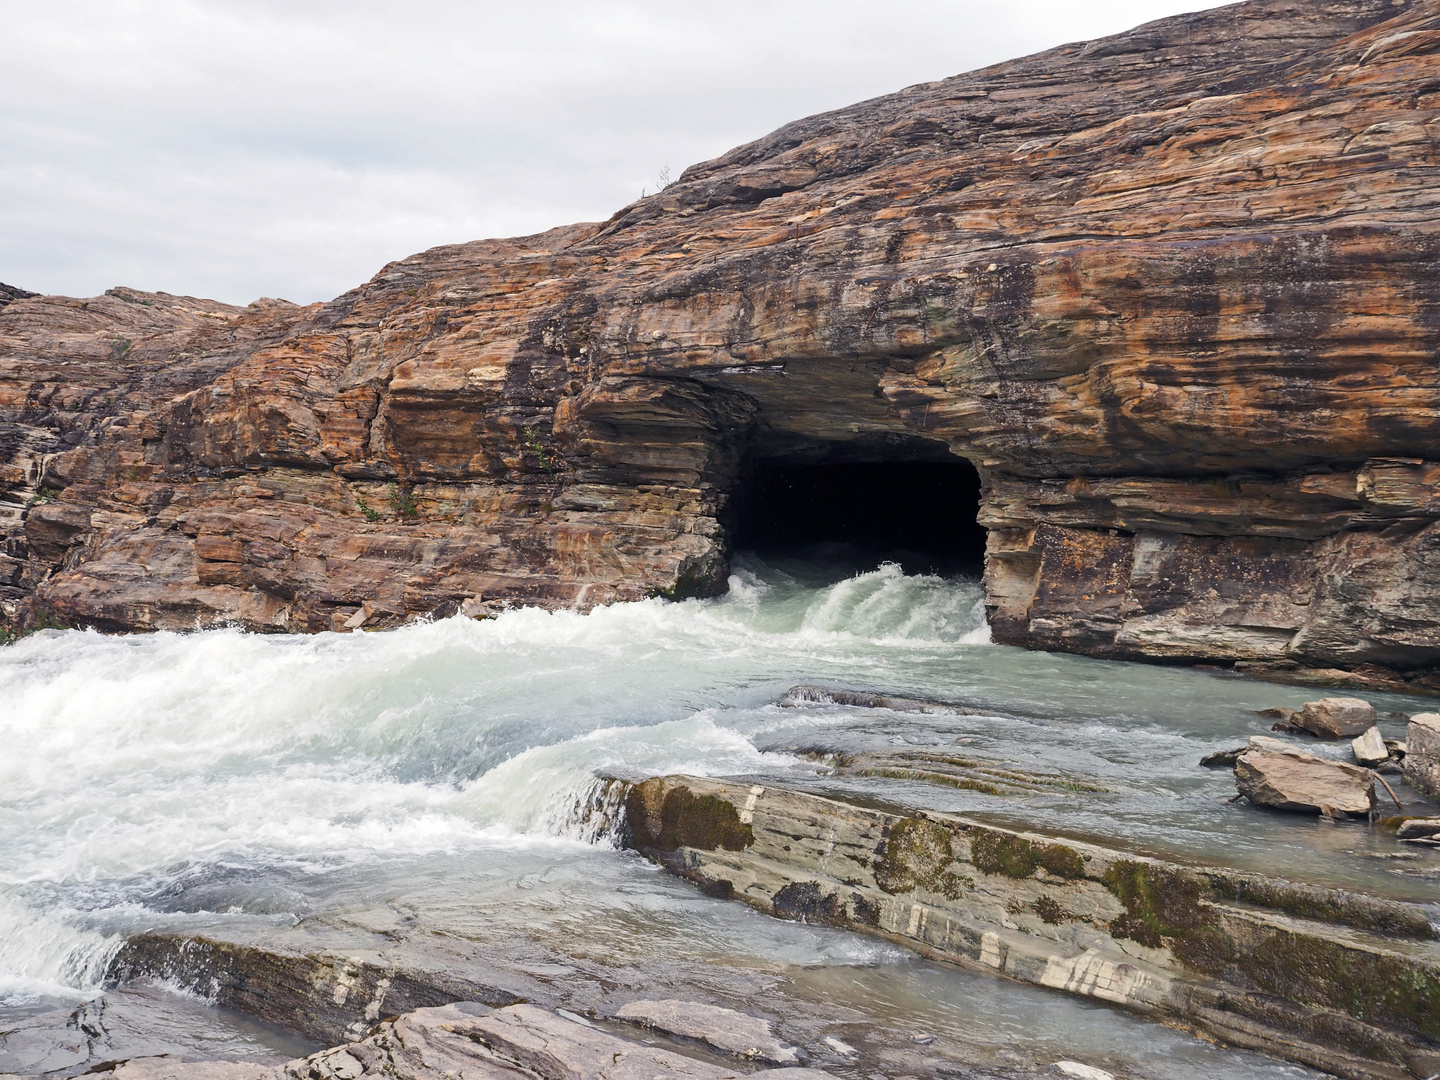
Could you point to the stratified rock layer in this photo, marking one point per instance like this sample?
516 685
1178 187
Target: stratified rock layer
1334 979
1174 293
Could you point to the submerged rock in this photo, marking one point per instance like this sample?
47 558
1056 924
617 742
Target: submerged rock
1337 717
1422 753
1222 759
1269 773
722 1029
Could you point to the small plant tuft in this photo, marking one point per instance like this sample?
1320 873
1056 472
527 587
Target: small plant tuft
662 181
403 504
548 461
370 513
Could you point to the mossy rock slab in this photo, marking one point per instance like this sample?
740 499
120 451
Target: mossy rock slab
1338 981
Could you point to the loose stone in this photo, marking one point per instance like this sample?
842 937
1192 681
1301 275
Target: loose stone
1271 774
1337 718
1370 749
1419 829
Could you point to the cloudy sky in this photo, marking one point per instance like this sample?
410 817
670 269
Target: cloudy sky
292 147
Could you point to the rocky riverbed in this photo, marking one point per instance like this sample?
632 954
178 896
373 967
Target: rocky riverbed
255 848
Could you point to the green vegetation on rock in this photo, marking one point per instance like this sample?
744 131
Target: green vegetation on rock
918 855
1016 857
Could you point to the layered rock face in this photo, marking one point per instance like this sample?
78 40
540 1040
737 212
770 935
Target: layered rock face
1175 294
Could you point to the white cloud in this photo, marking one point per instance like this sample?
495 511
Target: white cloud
292 147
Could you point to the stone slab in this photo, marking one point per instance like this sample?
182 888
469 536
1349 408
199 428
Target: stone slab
1241 957
1422 753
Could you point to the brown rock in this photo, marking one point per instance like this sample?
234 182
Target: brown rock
1337 718
1422 753
1171 293
1291 780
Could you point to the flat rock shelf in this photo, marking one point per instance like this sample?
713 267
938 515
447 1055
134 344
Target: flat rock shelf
1336 980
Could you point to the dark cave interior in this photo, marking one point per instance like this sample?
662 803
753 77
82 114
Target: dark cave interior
921 514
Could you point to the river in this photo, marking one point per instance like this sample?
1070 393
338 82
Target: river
445 773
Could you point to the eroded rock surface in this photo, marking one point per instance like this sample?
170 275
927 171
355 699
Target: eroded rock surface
1422 753
716 1026
1176 295
466 1039
1332 978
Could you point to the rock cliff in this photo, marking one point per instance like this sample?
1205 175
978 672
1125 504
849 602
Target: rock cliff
1175 294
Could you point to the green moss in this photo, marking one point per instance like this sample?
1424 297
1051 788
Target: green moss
1375 988
1165 908
935 778
1325 905
1049 910
809 901
917 855
688 820
1016 857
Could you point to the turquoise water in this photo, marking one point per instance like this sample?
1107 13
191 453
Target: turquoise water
228 781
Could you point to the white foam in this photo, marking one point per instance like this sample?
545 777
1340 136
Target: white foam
129 757
45 955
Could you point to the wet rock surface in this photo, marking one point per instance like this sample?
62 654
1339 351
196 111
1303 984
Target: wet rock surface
1334 979
1419 829
1071 270
466 1039
717 1027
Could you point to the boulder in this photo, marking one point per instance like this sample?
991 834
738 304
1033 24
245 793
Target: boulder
721 1029
1337 717
1419 829
1370 749
1222 759
1422 753
1270 773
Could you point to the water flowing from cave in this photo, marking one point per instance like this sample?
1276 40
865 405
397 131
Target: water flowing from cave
189 781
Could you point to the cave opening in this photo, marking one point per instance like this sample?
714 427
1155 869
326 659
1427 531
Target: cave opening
918 513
